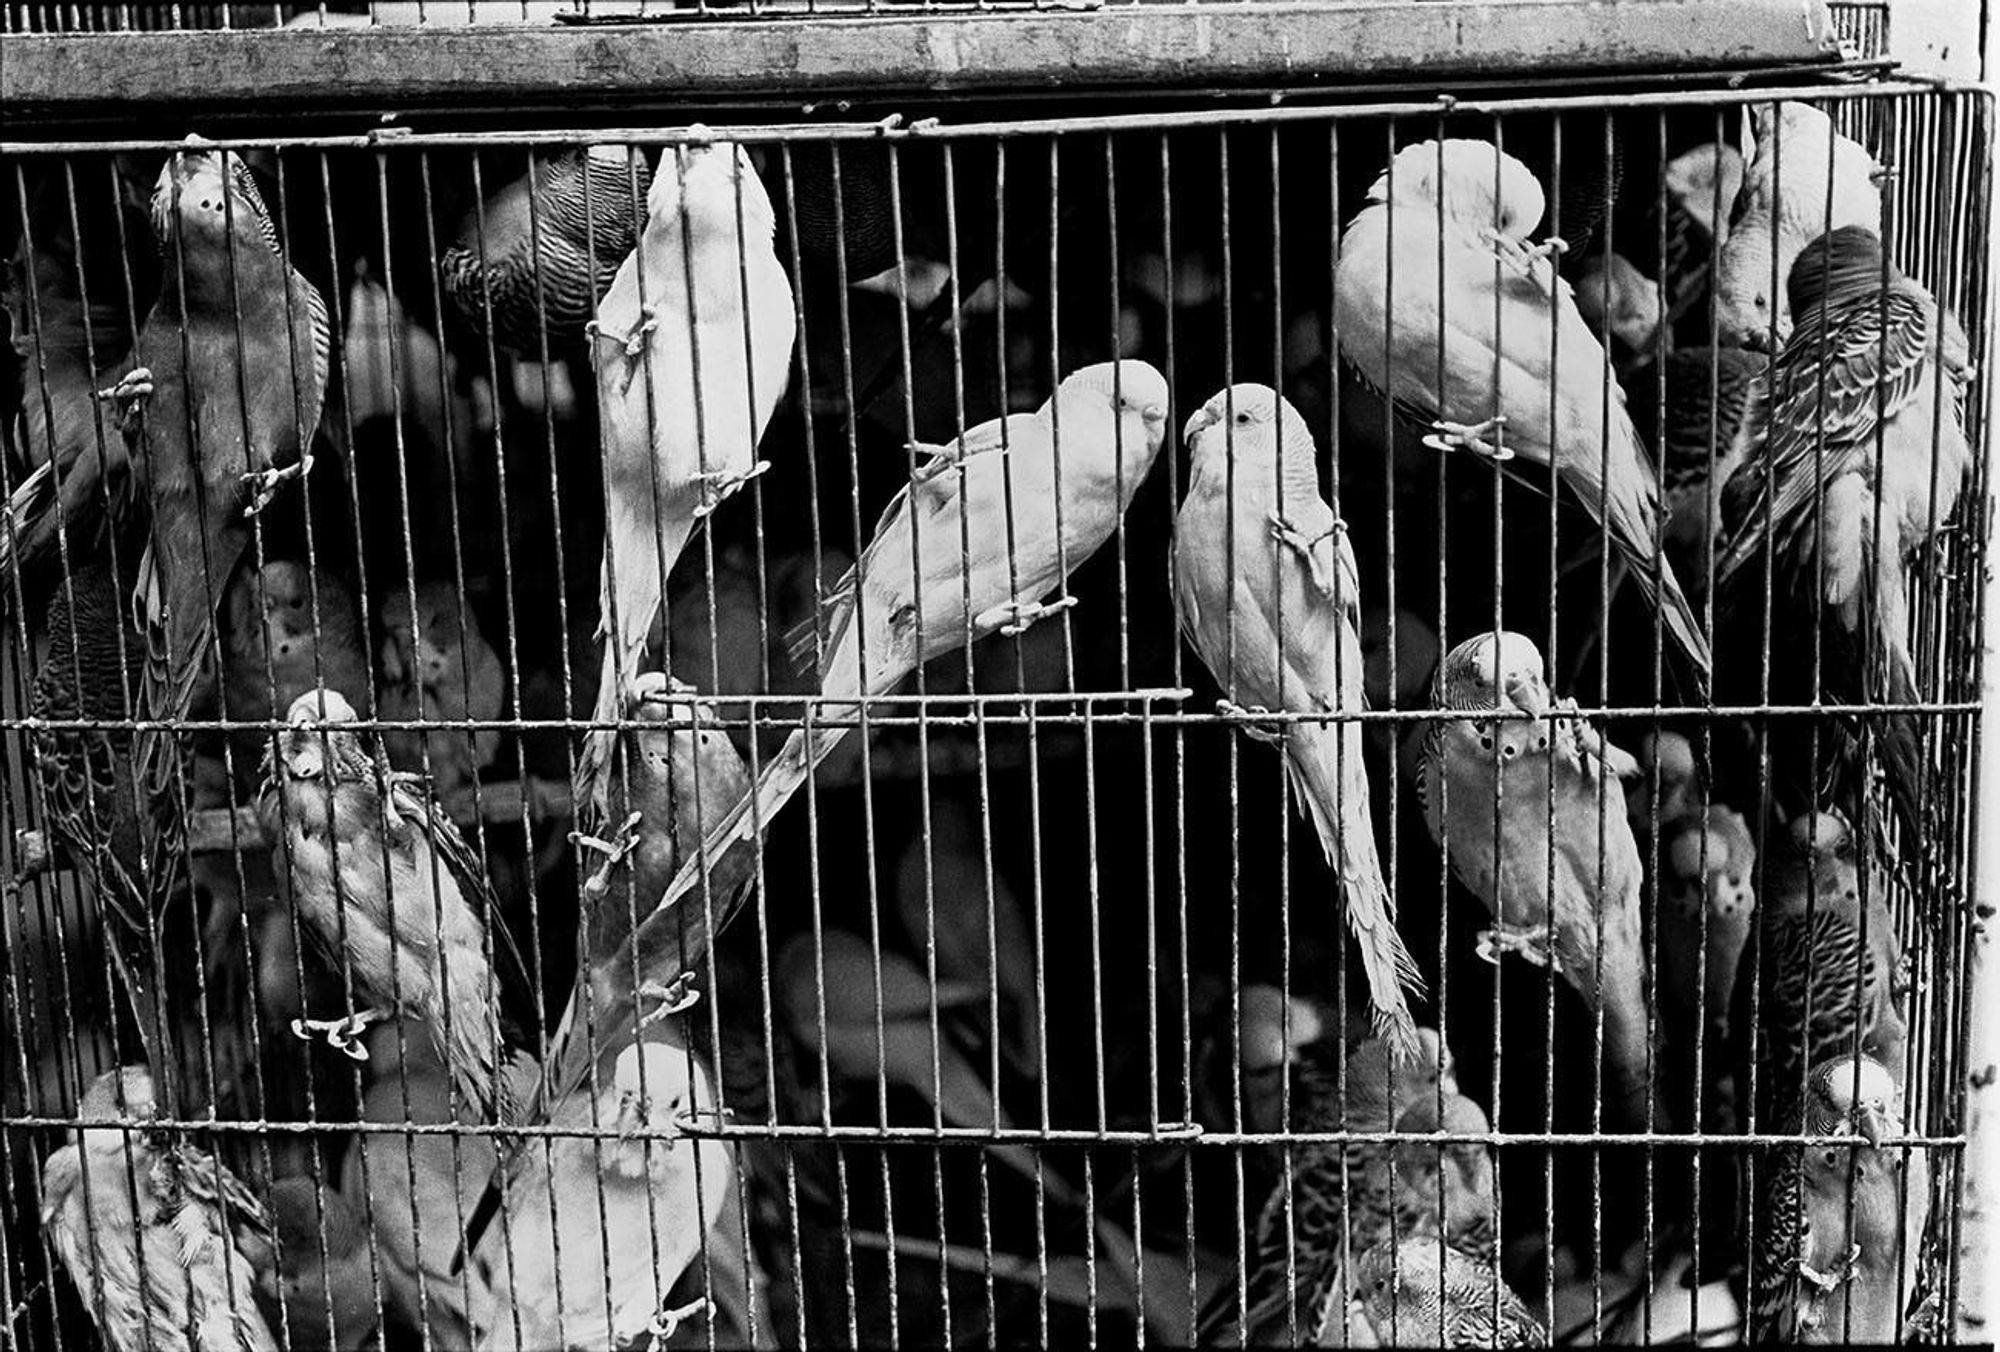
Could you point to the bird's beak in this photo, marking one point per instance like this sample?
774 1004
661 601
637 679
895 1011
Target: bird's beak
1869 1119
1527 696
1155 415
1205 418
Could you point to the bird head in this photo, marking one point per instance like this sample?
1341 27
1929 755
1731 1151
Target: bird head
706 180
273 606
1491 672
305 743
1134 390
1253 422
1847 262
210 198
1857 1093
1618 300
423 650
1706 180
125 1093
1267 1043
1473 183
1823 835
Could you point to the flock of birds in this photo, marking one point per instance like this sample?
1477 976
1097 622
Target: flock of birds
1802 465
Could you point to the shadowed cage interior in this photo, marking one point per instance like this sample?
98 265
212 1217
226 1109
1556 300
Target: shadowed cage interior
980 1053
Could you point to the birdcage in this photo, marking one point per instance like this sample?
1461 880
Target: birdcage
675 932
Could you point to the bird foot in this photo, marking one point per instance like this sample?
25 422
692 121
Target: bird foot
1017 617
676 997
130 395
265 483
614 851
633 342
1244 713
342 1034
720 485
1523 256
939 459
1827 1282
1530 942
1285 533
667 1321
1457 436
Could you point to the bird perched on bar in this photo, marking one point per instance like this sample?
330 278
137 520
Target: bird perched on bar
391 893
286 629
1266 592
1803 180
437 664
1418 1291
1855 458
598 1227
218 414
1456 233
1341 1197
539 253
693 350
124 841
1824 965
165 1245
1836 1228
323 1269
1274 1028
1558 783
1708 392
982 538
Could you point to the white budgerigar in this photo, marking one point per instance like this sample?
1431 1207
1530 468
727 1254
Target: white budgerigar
693 350
1266 591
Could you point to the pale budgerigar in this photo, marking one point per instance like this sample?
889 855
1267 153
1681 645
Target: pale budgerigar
693 350
1418 1292
166 1246
1476 307
1554 777
1266 590
981 539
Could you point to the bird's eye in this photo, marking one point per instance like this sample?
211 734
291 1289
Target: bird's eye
1832 1158
1243 418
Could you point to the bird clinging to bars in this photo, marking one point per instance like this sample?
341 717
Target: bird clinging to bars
693 350
1804 178
1854 459
125 841
218 413
390 891
166 1246
1490 316
1554 778
1266 591
980 540
1836 1226
540 252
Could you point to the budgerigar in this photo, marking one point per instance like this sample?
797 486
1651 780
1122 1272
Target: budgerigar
1554 777
392 894
284 632
1708 392
1450 1193
165 1245
1476 306
125 841
1420 1292
323 1268
1856 459
1708 875
1668 783
1804 179
693 350
218 413
437 664
540 252
596 1228
1836 1227
1619 301
980 540
1824 963
1266 590
1341 1198
1700 192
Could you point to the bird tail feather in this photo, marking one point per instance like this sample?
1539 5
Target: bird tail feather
1345 831
21 531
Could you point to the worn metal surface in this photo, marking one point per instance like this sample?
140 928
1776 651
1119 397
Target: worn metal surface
816 56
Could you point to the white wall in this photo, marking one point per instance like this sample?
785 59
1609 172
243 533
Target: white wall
1939 37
